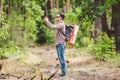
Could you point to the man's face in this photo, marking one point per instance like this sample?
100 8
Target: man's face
58 18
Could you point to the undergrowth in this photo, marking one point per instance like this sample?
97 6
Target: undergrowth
103 48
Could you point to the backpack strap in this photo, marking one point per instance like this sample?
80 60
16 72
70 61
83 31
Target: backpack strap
62 32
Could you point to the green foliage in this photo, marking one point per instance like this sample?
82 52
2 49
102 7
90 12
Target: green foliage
9 49
24 23
83 36
3 35
71 18
47 35
115 59
91 10
18 25
50 34
54 12
104 47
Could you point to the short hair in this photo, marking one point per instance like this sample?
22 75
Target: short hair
62 15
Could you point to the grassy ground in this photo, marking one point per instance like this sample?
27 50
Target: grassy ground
41 62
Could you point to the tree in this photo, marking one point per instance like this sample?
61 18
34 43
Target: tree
116 24
51 4
57 4
1 9
1 6
101 22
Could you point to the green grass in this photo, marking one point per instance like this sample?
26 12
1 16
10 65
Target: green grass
115 59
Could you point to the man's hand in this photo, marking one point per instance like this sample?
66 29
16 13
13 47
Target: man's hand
46 19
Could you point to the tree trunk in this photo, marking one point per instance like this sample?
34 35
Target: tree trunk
19 7
1 9
24 28
51 4
57 4
103 17
8 14
98 23
116 24
101 24
97 28
104 23
68 5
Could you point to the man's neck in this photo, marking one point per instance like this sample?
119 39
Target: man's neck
60 21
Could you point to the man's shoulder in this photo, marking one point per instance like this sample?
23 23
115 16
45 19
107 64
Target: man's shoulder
61 23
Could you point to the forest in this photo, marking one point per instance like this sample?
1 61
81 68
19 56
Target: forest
23 31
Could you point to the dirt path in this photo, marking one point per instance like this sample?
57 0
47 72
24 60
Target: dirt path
42 61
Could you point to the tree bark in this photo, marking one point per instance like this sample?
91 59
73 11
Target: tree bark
19 6
68 5
116 24
97 29
51 4
1 9
104 23
101 24
57 4
24 28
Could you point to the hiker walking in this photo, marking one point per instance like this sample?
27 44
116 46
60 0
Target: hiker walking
59 41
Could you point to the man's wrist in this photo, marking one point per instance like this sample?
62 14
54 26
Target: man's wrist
46 21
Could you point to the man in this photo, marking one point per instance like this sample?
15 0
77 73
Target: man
59 41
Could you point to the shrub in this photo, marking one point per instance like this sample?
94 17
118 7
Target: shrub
104 47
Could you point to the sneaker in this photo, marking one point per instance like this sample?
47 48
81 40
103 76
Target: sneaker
62 74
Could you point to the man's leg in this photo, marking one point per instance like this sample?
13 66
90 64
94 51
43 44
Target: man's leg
61 56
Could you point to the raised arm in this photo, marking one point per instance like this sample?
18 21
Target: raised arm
54 27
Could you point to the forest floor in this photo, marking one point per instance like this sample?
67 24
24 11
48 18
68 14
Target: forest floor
39 63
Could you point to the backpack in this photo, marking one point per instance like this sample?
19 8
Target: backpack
68 32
